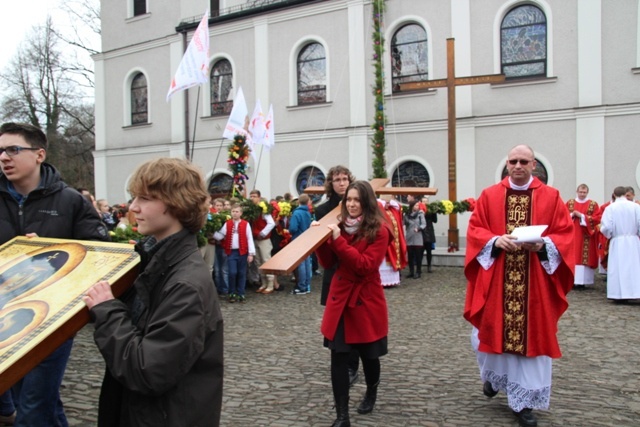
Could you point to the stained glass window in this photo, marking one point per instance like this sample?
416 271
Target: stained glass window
139 99
409 60
310 176
221 85
312 74
410 174
523 42
540 171
220 185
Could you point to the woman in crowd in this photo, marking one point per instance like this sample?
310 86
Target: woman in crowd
414 223
356 317
429 234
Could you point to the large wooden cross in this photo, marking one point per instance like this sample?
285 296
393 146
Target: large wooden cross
289 257
450 83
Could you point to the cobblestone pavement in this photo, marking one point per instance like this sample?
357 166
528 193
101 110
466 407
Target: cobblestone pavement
277 372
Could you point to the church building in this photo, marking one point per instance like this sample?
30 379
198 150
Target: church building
332 69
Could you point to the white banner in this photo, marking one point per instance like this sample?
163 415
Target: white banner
194 66
237 123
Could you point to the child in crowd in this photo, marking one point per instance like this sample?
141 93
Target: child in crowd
299 223
171 306
237 242
105 214
221 271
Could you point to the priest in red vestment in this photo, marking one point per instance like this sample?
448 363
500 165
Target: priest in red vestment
584 215
516 291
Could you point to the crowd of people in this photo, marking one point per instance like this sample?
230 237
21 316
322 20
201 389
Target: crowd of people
516 290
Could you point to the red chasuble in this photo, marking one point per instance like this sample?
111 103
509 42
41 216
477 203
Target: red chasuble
515 304
585 236
397 251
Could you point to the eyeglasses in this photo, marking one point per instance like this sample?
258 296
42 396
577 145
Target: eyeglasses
14 150
339 180
522 162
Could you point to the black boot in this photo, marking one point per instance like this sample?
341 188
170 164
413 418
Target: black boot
369 400
342 412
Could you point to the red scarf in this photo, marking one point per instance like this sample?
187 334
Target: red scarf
242 234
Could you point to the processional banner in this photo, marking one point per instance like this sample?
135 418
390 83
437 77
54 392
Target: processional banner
42 282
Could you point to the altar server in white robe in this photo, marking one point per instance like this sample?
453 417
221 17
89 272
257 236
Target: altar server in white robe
621 224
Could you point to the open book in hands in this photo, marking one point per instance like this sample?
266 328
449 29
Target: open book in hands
529 234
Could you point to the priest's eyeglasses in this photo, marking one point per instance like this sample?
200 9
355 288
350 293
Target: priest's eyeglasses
523 162
14 150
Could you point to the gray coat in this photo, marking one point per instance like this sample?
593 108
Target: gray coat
414 221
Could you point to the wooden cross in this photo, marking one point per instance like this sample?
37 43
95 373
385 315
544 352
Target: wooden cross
450 83
289 257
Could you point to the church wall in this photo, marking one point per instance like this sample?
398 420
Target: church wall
119 30
553 141
622 153
154 63
619 54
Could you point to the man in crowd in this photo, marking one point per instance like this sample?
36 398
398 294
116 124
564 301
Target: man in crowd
621 224
583 213
36 202
516 291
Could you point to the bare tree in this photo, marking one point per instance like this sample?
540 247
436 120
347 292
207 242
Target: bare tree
41 88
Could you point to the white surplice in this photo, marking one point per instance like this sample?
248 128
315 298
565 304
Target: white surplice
621 223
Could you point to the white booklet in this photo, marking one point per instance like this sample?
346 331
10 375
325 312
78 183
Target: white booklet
529 234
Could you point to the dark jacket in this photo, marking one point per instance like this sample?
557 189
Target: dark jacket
327 274
52 210
429 234
165 369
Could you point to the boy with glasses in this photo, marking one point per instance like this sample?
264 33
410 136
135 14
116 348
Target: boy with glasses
36 202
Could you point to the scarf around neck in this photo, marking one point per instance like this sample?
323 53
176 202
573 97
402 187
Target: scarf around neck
352 225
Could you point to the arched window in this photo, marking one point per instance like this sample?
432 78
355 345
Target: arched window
310 176
139 100
523 42
221 85
312 74
409 59
540 171
410 174
220 185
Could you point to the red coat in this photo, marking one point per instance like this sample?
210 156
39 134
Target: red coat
546 300
356 291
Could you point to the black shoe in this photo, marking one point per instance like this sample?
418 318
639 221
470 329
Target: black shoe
488 390
418 275
369 400
526 418
353 377
429 270
411 276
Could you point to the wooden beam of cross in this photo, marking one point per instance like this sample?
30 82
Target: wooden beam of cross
289 257
451 82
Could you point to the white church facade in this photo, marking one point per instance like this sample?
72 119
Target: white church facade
572 90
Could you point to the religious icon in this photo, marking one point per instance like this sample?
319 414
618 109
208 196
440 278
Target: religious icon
38 269
20 319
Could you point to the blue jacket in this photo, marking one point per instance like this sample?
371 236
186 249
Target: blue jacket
300 221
